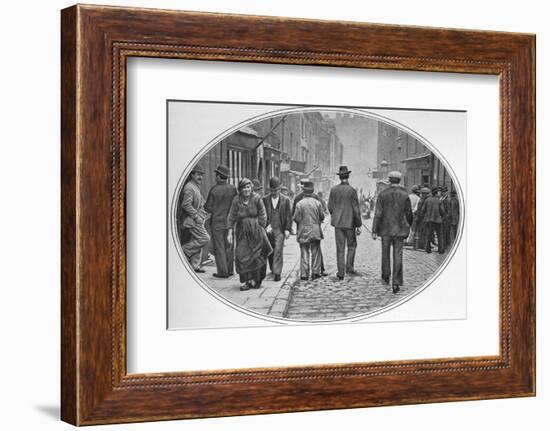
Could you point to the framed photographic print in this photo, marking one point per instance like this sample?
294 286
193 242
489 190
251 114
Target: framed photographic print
267 215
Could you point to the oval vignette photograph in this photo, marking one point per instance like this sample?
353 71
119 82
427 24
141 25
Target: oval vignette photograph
311 214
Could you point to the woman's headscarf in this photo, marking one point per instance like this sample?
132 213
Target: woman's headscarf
243 183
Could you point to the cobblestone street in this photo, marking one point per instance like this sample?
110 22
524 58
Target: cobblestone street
327 298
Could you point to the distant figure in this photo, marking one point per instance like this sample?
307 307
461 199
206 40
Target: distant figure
432 213
247 219
420 226
343 206
279 224
455 216
446 224
194 217
284 191
218 204
257 187
308 216
414 197
392 219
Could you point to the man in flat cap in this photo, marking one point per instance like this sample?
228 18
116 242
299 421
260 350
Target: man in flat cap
432 213
308 216
194 217
392 220
218 204
343 205
279 225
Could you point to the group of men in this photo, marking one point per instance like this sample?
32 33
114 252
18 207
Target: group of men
436 215
399 217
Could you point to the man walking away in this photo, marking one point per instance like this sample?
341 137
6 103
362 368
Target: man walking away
297 199
432 212
279 224
194 217
218 204
343 206
392 219
308 216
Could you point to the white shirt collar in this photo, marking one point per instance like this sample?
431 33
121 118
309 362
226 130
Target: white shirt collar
275 201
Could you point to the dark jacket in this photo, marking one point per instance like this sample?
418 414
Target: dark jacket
343 205
455 210
432 210
285 217
393 214
218 204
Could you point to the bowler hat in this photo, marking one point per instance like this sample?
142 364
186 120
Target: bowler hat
197 169
274 184
424 190
343 171
222 170
308 186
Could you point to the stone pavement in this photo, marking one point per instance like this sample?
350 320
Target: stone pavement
327 298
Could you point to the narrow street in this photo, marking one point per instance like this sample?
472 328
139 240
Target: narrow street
328 298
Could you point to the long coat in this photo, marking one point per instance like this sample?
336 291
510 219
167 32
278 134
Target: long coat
251 243
343 205
393 215
285 217
308 217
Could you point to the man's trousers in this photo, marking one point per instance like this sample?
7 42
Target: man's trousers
345 237
312 249
397 272
223 251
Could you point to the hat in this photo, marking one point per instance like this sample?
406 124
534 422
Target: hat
284 188
256 185
308 186
274 184
395 174
415 188
222 170
304 180
198 169
343 171
435 189
243 183
424 190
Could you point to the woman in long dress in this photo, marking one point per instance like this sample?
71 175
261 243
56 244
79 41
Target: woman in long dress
247 219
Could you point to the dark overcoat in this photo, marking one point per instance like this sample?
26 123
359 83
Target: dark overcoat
218 204
343 205
393 215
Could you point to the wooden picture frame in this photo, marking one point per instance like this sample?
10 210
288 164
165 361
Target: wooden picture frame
95 42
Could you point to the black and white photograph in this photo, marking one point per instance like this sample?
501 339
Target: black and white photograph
312 214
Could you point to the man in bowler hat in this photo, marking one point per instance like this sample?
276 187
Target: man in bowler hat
392 219
279 224
194 217
218 204
343 205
